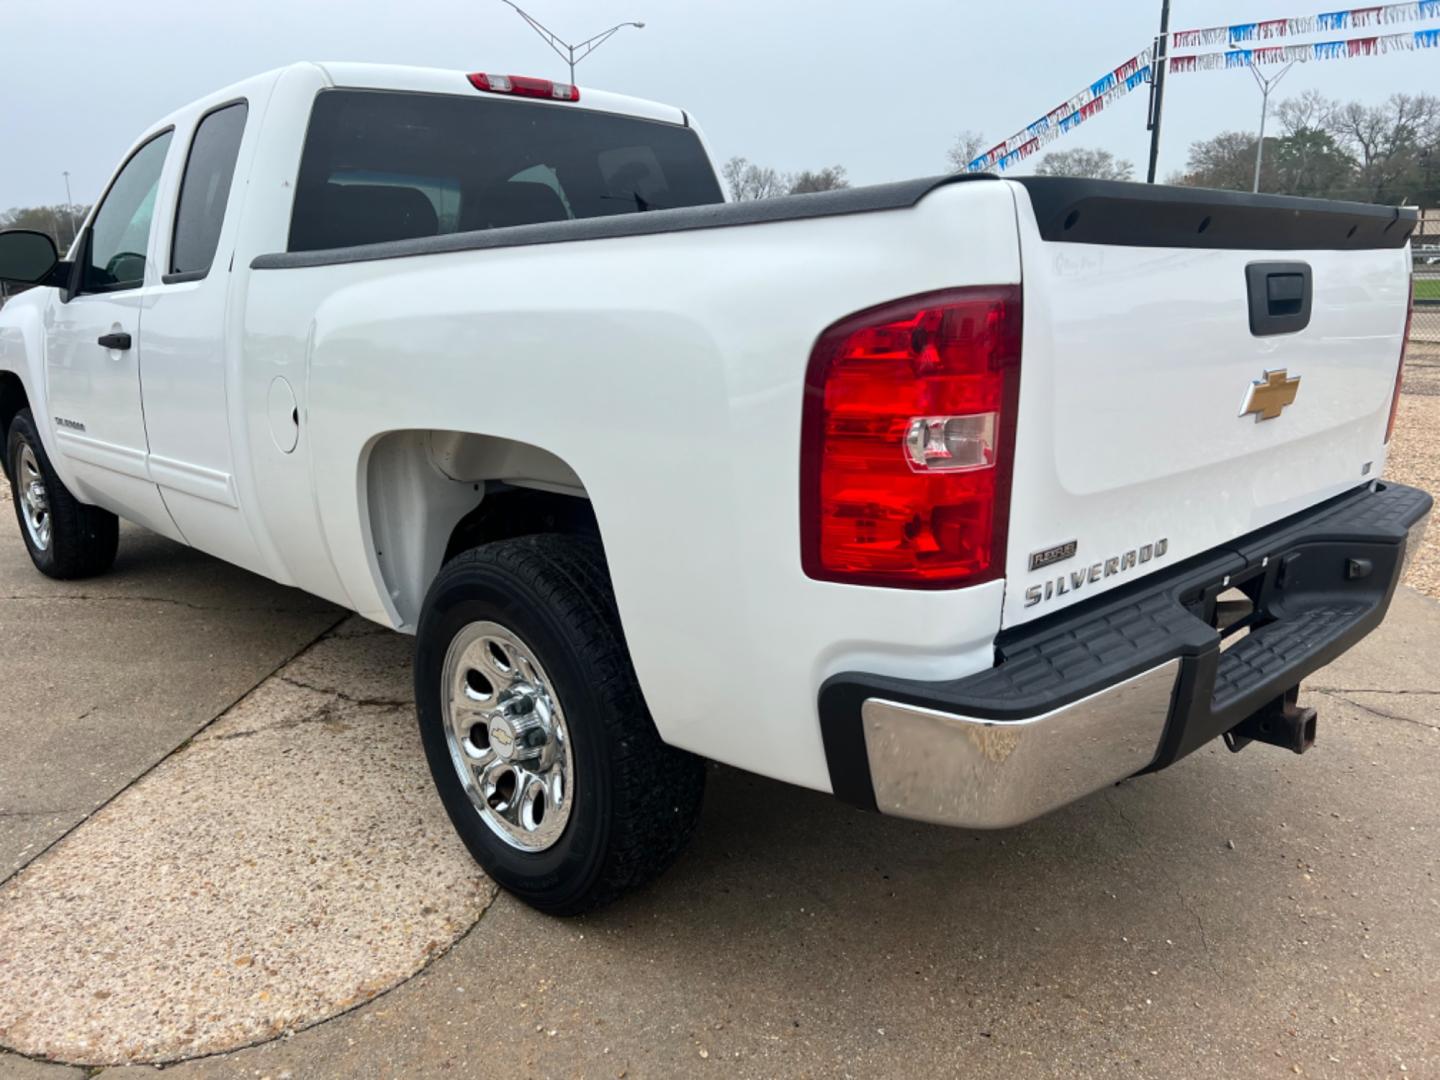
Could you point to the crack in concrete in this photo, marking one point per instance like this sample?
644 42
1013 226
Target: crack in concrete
91 598
327 713
366 629
1185 904
58 1068
349 699
1367 690
1377 712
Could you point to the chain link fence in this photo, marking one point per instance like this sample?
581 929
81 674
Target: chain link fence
1425 327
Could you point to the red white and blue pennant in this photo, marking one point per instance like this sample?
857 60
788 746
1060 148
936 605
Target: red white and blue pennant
1304 25
1137 70
1343 49
1067 116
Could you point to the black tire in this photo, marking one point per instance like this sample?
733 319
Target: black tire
636 800
83 539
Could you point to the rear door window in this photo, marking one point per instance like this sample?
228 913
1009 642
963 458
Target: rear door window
381 166
205 190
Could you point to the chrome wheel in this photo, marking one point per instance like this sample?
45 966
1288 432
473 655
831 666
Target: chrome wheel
506 733
34 503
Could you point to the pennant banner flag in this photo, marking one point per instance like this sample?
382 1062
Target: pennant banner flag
1065 117
1325 22
1137 70
1343 49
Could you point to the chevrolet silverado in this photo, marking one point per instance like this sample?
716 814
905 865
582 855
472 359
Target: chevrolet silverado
960 498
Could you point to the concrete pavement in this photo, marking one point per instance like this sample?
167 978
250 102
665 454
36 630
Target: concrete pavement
103 678
1253 914
288 864
1247 915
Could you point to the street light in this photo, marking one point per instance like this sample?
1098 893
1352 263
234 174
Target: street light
571 54
69 204
1266 85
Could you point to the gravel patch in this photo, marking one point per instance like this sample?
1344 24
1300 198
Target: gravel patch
288 864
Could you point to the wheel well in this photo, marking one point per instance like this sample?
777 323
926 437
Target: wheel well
507 512
12 400
434 494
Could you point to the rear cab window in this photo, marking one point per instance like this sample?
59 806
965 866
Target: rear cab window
205 192
381 165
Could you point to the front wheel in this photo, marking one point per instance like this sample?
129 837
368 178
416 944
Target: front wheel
66 539
535 729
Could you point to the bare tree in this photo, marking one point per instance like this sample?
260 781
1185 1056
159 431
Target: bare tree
1226 161
830 178
1386 153
747 180
1390 142
967 147
1311 111
1094 164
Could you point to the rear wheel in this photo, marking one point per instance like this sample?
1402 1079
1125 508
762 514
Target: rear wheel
536 732
66 539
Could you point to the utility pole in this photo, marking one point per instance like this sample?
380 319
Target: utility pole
1157 88
571 54
1266 85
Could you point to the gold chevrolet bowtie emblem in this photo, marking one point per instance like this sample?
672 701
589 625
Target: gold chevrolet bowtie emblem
1269 396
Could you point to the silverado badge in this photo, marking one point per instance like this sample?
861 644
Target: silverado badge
1268 396
1076 580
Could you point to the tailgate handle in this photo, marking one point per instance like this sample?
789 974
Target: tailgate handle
1280 294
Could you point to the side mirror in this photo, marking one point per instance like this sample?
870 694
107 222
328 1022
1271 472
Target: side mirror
28 258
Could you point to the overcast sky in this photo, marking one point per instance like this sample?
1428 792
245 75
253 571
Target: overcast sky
879 87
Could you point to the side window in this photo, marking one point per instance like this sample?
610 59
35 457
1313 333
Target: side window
115 257
205 190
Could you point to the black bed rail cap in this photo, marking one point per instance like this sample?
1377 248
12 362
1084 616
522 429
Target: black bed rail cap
1119 213
858 200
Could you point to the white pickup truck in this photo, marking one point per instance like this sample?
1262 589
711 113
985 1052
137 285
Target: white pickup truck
960 498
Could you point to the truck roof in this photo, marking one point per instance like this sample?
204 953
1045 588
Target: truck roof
451 81
419 80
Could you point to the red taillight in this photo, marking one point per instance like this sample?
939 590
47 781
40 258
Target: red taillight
908 441
1400 370
524 86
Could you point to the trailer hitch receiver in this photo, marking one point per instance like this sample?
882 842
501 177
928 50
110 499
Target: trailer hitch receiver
1280 723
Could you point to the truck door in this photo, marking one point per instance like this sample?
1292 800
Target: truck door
187 325
93 348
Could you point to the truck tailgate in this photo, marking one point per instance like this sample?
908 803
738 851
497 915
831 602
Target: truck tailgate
1134 446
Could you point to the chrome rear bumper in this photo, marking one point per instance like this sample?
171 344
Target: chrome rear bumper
988 774
1128 682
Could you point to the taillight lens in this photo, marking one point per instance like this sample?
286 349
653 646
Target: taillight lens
1400 370
524 86
908 441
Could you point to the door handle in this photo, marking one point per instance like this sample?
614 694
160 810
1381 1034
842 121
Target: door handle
119 340
1281 294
